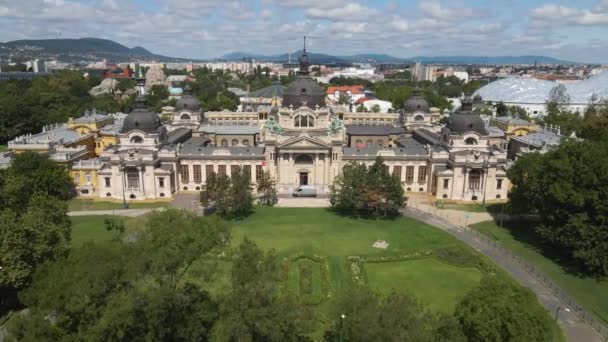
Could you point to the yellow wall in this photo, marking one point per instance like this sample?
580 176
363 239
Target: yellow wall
82 178
102 142
89 143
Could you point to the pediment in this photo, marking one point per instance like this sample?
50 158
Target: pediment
304 142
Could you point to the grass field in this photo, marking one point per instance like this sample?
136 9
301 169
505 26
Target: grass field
436 284
79 204
519 237
85 228
3 148
299 231
474 207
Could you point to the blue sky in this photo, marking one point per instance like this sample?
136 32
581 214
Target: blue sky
573 30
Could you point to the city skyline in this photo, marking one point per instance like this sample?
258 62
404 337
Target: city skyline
211 28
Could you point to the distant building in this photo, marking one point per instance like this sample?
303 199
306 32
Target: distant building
36 66
355 93
541 141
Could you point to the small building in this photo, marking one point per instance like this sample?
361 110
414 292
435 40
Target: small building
513 126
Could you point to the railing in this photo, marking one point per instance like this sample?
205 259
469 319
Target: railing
539 275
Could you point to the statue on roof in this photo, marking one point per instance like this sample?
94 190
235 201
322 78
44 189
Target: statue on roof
273 127
336 125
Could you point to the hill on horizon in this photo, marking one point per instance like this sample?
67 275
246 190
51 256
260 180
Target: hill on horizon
384 58
80 49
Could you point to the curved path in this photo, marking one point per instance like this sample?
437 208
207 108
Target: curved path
574 328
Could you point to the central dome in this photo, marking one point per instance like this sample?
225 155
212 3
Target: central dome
466 120
304 91
141 119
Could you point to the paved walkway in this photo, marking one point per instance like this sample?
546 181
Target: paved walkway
575 329
115 212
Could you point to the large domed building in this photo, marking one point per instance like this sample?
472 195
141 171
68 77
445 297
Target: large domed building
304 91
302 141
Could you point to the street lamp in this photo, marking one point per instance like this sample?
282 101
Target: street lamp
342 317
555 322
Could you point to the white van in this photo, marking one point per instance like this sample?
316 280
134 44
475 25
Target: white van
305 191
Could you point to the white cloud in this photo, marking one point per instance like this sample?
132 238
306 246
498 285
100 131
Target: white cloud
351 11
552 14
434 9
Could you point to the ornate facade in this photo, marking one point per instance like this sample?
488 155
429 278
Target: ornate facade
302 142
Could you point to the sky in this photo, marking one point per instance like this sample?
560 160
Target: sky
571 30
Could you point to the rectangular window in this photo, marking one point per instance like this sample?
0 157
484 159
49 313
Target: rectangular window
409 174
221 170
421 174
133 180
161 182
258 172
446 183
77 178
185 173
397 171
107 180
208 171
498 184
87 178
198 177
247 171
234 169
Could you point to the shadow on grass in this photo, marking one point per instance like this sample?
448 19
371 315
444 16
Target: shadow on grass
523 231
362 215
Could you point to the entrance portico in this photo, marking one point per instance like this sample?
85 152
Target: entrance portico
303 160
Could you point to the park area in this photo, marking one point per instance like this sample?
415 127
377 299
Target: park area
322 252
520 238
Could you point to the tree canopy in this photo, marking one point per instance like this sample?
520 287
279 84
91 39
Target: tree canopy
231 197
372 191
568 187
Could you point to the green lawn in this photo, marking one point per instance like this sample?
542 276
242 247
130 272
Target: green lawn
519 237
312 231
79 204
85 228
437 284
3 148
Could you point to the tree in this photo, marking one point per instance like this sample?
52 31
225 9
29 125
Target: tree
266 187
128 291
254 309
396 316
558 99
361 108
501 109
568 187
344 99
372 191
376 108
500 311
230 197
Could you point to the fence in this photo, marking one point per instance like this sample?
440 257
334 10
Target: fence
530 268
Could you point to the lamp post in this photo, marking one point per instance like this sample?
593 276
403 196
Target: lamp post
485 180
555 322
342 317
123 169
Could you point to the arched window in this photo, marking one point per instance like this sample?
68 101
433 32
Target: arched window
137 140
471 141
359 143
369 143
185 117
234 142
380 143
419 118
245 142
304 121
224 143
303 159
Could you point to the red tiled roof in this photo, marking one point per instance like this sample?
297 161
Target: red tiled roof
356 89
363 99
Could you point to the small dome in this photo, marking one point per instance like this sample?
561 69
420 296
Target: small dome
416 103
188 102
477 99
465 120
141 119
